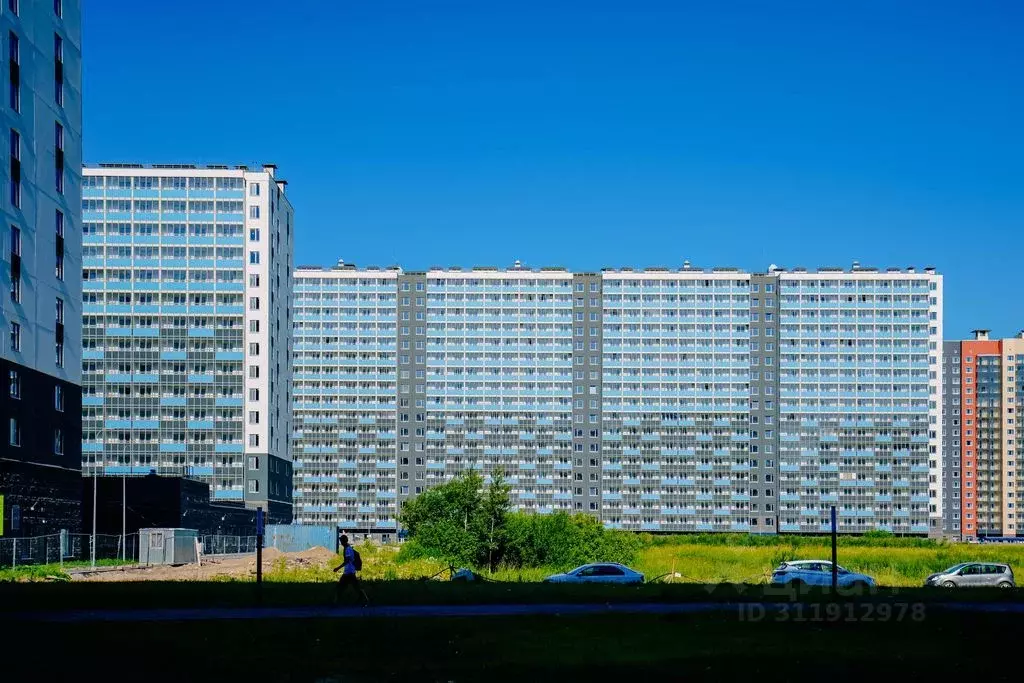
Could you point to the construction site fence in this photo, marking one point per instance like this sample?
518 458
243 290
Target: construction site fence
67 548
227 545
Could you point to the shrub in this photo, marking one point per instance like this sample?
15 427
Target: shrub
563 541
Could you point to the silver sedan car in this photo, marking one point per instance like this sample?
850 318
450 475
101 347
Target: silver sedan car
601 572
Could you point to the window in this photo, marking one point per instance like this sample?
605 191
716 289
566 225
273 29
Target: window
15 432
254 394
254 257
254 303
254 372
254 280
15 169
254 190
14 52
58 441
58 70
254 234
59 350
59 226
58 152
15 384
15 264
58 398
254 348
15 337
254 486
254 325
58 7
254 212
254 417
254 440
12 5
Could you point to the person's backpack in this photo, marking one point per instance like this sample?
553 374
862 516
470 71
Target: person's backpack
357 560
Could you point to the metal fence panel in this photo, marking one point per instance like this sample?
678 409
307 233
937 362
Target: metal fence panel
290 538
60 548
227 545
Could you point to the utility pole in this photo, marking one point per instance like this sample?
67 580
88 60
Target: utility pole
259 555
835 566
92 550
124 516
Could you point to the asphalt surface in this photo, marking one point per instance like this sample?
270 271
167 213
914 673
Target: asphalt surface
420 611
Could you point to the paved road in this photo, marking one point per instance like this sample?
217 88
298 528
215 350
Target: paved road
330 612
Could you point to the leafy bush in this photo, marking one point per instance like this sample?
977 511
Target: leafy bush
871 539
563 541
467 524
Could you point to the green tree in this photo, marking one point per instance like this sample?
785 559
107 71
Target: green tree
441 519
492 517
466 523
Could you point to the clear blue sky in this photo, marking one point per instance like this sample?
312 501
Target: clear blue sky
590 134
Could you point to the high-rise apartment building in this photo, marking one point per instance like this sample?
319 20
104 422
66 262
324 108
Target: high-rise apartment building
952 481
661 400
40 475
187 328
860 400
345 396
982 409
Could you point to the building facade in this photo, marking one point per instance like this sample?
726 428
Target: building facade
982 405
860 400
345 397
187 328
660 400
952 481
40 457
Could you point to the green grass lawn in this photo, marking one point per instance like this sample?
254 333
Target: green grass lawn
897 565
603 648
726 559
50 572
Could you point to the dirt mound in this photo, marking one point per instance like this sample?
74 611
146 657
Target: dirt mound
315 555
271 554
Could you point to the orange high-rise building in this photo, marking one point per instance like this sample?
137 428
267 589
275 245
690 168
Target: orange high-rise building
982 449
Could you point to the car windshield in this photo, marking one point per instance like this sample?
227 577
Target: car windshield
956 568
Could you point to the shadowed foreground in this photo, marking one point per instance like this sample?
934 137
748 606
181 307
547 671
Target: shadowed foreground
719 646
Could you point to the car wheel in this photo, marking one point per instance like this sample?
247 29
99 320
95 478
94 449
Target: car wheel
1005 584
948 584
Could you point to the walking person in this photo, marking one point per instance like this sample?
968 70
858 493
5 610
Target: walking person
351 563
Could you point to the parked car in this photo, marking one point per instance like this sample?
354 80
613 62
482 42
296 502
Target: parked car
817 573
604 572
972 575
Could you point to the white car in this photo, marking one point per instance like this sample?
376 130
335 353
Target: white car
602 572
817 573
